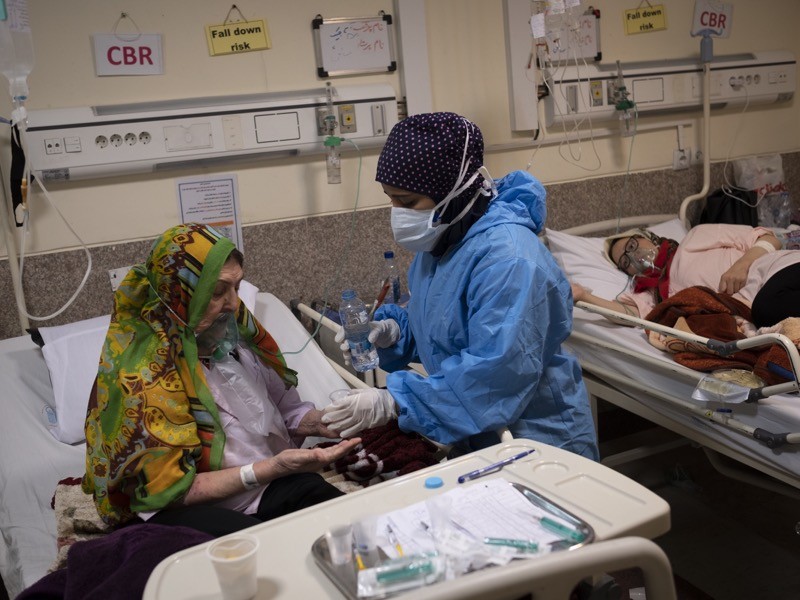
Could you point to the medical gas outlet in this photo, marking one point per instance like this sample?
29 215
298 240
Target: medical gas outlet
82 143
663 86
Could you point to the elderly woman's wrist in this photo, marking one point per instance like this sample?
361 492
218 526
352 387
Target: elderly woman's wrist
247 475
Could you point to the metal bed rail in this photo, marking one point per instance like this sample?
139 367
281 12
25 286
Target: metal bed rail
716 346
770 439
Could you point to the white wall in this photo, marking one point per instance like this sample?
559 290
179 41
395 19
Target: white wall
468 75
466 48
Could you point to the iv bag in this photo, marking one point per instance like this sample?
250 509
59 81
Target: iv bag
16 48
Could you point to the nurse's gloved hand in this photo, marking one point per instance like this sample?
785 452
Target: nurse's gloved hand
360 409
343 346
384 333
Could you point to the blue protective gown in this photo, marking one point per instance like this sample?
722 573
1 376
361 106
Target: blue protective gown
487 320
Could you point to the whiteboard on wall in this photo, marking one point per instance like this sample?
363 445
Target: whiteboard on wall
350 46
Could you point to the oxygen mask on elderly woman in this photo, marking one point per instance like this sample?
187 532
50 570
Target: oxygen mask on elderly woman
219 339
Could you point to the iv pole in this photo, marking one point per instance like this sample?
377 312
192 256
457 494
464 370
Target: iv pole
6 218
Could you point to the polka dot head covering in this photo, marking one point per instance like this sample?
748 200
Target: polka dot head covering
423 154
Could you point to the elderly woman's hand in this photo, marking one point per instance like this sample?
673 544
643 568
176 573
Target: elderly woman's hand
310 460
311 424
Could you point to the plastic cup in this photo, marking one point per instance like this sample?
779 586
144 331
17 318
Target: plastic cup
365 533
340 544
234 560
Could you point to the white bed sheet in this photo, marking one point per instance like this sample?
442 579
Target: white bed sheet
32 461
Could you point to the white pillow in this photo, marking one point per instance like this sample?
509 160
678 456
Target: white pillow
248 293
582 260
72 353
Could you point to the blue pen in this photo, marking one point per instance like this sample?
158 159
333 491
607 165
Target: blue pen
494 467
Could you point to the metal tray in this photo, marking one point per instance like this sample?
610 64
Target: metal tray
345 577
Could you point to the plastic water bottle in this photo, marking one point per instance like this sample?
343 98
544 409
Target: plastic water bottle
790 240
355 320
393 275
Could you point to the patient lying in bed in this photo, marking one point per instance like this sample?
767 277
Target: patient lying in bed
744 262
732 270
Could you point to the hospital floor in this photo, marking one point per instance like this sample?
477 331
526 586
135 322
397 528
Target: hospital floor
729 540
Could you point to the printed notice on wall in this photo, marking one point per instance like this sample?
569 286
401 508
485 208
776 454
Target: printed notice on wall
214 201
645 18
240 36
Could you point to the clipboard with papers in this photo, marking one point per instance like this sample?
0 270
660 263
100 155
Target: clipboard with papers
483 524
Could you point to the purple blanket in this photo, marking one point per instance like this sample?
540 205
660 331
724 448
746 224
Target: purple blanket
116 565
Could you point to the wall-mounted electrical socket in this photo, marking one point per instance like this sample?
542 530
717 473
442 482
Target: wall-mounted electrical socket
697 157
681 158
116 276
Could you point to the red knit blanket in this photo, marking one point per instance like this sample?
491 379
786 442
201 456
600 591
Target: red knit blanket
384 453
704 312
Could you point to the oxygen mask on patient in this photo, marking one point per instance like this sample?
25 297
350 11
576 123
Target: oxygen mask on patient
637 258
219 339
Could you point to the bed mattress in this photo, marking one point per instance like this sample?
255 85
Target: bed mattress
32 462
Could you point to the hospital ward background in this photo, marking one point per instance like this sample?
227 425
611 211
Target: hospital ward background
266 118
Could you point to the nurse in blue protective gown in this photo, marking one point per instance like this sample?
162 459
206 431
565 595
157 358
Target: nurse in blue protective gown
489 307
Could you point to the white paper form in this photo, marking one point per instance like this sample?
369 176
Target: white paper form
212 200
495 509
483 509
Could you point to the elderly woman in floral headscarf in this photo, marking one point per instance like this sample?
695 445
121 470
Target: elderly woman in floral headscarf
489 307
194 419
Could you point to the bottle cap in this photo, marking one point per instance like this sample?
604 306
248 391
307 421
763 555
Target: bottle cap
388 254
347 294
434 482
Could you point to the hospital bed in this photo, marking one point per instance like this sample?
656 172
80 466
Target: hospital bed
621 367
43 404
40 445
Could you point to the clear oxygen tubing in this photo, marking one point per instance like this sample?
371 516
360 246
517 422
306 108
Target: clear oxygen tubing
26 221
705 53
624 193
345 255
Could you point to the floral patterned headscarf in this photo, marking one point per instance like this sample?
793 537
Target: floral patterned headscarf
152 422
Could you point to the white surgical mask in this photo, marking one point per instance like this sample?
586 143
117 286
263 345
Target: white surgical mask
415 230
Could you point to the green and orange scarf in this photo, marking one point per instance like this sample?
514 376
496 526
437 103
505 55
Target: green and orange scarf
152 422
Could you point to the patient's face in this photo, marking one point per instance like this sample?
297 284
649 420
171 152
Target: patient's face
401 198
631 254
225 297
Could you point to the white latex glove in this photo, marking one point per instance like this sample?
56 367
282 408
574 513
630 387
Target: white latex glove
360 409
382 334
